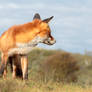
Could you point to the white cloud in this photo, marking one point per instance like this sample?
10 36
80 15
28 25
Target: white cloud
12 5
21 6
54 7
9 5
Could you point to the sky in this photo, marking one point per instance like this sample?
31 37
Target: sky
71 25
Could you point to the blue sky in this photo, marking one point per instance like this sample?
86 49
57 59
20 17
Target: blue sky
71 25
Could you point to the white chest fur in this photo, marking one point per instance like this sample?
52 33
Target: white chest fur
25 48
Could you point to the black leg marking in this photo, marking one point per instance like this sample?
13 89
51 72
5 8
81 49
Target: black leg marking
2 69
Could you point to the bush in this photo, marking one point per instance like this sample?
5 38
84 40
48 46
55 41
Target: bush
59 67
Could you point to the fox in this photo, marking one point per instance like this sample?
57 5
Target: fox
19 40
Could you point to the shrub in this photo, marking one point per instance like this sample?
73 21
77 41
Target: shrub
59 67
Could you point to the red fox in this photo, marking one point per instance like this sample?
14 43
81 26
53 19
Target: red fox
20 39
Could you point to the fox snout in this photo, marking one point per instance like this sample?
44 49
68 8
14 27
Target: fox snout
50 41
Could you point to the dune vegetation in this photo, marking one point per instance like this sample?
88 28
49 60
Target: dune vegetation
53 71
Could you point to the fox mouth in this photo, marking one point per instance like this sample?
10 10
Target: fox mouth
50 42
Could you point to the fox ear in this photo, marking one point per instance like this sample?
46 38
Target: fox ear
36 16
48 19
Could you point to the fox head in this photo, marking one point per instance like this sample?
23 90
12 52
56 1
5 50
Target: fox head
45 31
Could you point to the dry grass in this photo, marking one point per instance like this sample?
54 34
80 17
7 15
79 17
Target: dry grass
10 85
53 71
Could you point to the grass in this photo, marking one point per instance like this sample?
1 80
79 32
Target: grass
53 71
10 85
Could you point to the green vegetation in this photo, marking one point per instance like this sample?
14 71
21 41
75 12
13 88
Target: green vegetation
53 71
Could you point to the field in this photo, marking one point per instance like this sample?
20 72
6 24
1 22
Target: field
53 71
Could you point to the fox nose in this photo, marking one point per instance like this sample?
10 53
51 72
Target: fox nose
52 41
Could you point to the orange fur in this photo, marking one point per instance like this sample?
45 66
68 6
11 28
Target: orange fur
22 33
